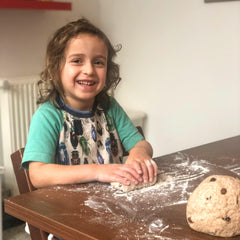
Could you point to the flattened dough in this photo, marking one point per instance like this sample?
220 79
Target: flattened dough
158 179
214 206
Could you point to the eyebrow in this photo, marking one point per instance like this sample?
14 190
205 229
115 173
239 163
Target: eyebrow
80 55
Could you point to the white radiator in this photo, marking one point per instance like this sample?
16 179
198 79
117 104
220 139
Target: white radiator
17 105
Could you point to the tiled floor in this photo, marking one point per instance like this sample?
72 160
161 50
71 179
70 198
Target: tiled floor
16 233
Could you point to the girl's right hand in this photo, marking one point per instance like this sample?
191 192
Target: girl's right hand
122 173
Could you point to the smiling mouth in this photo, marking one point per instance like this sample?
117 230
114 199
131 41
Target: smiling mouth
86 83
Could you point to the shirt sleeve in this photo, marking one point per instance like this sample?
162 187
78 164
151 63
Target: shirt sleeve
128 133
43 135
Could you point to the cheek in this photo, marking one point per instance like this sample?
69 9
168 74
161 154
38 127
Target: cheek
102 75
67 73
105 75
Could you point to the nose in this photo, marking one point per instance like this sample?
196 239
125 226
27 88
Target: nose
88 68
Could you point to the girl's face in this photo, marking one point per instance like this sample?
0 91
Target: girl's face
83 74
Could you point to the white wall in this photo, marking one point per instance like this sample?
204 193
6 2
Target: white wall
181 65
24 35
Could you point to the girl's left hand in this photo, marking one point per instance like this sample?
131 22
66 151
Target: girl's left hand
140 157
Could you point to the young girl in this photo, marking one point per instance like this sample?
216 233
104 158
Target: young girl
77 134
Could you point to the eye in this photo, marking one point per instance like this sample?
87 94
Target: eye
76 61
100 63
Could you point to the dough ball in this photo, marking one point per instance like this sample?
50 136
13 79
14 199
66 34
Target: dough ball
132 187
214 206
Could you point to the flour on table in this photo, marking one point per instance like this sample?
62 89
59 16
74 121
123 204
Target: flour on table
144 206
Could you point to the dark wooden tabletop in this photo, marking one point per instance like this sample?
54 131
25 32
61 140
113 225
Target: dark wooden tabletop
97 211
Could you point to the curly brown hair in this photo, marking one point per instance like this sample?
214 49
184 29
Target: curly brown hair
50 85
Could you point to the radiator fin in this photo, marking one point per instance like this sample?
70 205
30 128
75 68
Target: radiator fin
18 103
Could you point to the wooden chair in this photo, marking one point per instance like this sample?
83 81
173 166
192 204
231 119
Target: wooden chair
24 186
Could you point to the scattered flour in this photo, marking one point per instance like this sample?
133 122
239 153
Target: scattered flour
143 206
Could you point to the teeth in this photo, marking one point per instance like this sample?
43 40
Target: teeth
87 83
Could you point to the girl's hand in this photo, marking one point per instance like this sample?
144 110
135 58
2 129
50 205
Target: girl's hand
122 173
140 158
147 169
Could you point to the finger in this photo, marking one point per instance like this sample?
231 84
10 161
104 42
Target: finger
128 172
150 169
121 180
155 167
145 172
130 177
121 175
136 165
138 168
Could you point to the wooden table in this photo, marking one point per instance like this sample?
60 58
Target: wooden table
96 211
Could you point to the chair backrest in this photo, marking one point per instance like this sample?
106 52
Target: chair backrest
22 175
24 186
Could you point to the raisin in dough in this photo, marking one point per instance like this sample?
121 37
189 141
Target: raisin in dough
214 206
132 187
